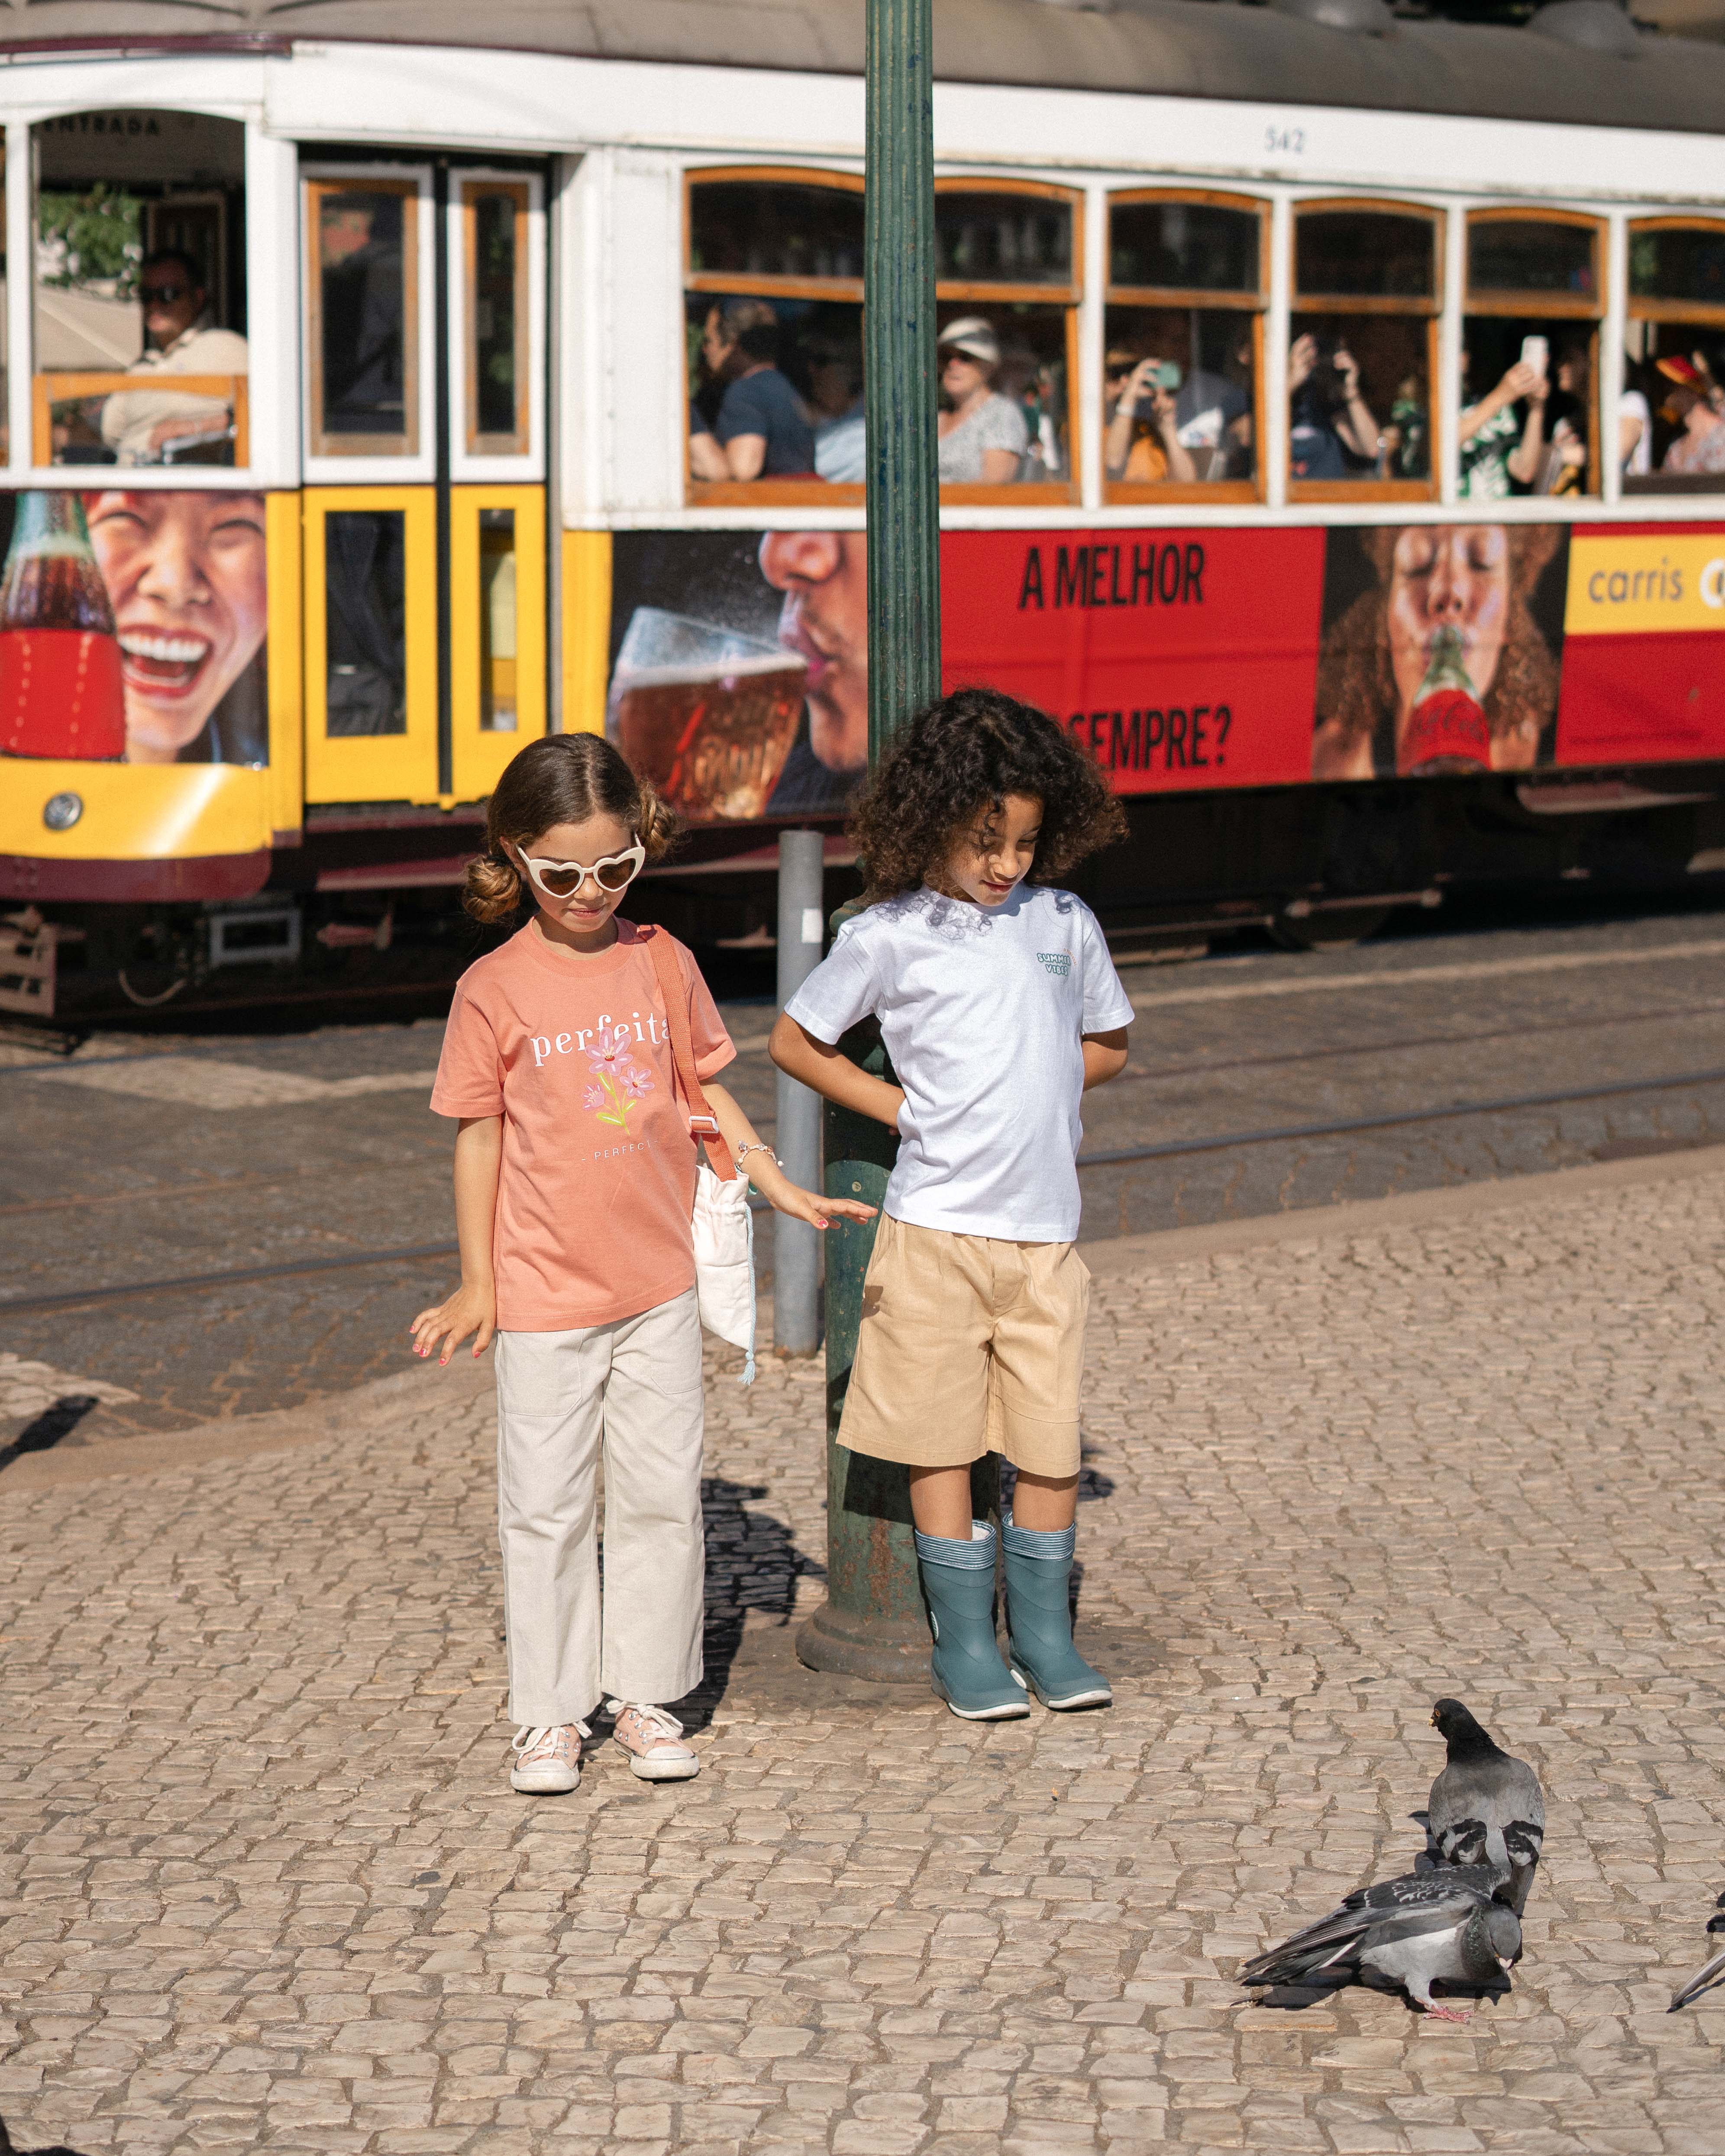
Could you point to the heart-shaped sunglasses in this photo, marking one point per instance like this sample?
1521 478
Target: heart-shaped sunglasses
564 879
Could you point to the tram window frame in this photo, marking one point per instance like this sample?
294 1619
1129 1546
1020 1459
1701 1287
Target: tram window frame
725 284
1539 305
970 293
1649 308
474 455
34 390
1196 299
952 296
1427 307
357 459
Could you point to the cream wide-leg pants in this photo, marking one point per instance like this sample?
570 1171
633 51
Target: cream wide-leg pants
634 1386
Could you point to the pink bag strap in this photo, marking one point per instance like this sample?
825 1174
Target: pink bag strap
674 991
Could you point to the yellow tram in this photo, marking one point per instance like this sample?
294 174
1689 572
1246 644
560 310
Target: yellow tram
384 386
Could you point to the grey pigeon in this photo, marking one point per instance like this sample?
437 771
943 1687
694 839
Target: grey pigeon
1485 1807
1428 1927
1709 1972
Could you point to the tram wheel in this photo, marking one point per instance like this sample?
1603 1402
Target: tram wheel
1337 928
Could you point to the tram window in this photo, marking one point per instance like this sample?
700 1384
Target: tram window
1528 423
495 221
362 286
366 596
765 228
1530 254
1671 417
1011 240
1006 326
1362 347
498 711
1184 246
139 274
773 343
1184 344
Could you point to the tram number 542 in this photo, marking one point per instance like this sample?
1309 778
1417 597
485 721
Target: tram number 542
1284 141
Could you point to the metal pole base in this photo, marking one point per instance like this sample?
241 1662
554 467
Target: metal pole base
881 1650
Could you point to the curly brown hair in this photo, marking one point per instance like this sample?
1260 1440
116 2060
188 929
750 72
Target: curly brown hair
1356 682
960 757
564 778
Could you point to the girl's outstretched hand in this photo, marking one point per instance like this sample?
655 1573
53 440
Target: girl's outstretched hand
800 1205
468 1310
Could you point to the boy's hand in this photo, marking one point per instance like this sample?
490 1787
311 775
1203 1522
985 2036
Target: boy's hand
468 1310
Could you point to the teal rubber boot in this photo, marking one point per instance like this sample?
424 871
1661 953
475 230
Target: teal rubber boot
1039 1620
958 1579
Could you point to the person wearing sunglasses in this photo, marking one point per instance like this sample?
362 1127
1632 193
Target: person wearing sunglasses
149 426
575 1174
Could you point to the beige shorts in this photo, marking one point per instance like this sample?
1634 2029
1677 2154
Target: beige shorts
968 1345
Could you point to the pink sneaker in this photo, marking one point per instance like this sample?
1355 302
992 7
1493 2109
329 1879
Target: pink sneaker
548 1761
649 1737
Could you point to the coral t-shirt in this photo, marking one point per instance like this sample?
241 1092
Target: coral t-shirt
598 1179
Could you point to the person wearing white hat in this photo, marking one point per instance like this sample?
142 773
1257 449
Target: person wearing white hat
982 435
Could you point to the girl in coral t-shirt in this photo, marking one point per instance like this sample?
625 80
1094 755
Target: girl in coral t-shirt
574 1182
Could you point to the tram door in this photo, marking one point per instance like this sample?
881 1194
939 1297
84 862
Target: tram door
424 503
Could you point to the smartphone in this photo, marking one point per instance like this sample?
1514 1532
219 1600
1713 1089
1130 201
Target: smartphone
1167 375
1536 353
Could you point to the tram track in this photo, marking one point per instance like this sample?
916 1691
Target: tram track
1111 1157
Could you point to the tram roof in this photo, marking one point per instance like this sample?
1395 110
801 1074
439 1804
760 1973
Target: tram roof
1204 48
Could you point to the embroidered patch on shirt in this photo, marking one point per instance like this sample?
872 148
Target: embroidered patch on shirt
1057 963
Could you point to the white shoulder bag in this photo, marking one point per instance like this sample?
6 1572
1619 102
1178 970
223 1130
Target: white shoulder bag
724 1228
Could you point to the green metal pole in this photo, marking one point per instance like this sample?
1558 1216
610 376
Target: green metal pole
874 1624
899 379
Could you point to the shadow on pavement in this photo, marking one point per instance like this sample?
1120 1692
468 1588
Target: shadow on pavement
9 2147
42 1436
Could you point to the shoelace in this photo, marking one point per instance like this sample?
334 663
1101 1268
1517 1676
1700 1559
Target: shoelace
664 1728
528 1740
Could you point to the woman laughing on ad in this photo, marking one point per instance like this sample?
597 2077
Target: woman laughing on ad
187 576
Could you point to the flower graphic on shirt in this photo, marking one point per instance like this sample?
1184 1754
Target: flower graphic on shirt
616 1081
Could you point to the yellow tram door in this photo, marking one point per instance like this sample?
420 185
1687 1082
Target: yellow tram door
424 508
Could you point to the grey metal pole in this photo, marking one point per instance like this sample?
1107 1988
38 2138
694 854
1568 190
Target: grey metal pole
796 1246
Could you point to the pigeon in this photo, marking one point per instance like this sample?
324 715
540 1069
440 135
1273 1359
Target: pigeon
1485 1807
1426 1927
1709 1972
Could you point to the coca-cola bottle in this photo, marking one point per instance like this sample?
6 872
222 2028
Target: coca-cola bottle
61 694
1447 730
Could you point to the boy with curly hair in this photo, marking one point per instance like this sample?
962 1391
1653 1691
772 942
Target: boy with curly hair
999 1008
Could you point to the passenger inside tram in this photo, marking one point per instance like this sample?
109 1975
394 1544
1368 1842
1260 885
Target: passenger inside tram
1332 433
162 426
1563 468
1501 433
1177 396
982 435
835 401
1691 409
760 427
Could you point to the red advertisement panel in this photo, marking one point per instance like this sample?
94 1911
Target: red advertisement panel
1643 677
1182 659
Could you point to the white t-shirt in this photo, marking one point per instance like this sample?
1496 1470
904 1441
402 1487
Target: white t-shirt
981 1009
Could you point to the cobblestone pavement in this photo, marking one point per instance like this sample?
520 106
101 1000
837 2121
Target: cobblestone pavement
155 1156
264 1885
